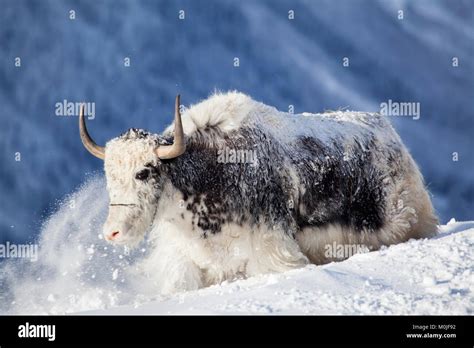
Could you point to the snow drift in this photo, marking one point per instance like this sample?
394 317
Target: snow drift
77 271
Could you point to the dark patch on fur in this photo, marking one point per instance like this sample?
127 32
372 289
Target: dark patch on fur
233 192
340 189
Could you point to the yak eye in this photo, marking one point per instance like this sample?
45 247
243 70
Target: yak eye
142 174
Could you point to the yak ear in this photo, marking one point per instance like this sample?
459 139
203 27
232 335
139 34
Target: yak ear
179 145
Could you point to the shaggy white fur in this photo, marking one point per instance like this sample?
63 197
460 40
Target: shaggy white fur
225 111
182 260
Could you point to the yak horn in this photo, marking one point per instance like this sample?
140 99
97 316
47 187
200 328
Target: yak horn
89 144
178 147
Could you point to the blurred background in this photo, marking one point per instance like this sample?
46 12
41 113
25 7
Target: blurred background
78 51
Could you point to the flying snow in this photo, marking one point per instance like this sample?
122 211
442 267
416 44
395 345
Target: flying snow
76 268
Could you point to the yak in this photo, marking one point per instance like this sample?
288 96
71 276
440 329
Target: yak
313 180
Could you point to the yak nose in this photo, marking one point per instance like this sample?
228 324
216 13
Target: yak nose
113 235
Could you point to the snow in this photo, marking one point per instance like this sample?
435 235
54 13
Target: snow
78 272
423 277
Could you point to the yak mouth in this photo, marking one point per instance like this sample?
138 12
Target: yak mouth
130 234
127 240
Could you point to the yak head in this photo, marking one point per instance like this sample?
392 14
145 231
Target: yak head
133 163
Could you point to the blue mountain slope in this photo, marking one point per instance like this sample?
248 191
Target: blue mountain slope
282 62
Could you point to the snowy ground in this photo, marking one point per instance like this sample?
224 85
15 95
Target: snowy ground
418 277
